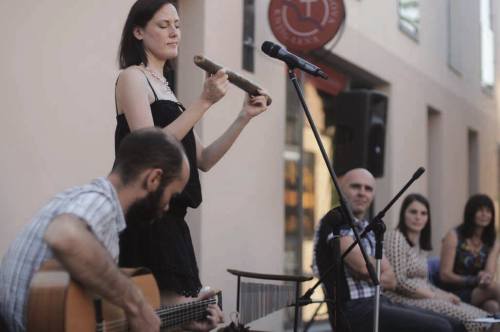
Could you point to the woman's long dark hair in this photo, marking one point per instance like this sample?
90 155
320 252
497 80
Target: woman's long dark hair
425 235
131 50
474 204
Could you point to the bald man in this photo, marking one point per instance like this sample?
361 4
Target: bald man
357 291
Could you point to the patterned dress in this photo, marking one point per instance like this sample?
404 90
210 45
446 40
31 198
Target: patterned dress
468 263
410 267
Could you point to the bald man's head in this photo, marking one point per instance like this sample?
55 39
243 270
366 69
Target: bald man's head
358 186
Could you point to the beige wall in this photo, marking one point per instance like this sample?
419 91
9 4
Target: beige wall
378 22
58 64
59 68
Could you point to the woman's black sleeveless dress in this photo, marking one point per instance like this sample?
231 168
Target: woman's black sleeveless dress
164 245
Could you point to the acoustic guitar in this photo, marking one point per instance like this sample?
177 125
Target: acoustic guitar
56 303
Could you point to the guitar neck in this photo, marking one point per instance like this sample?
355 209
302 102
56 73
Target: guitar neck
180 314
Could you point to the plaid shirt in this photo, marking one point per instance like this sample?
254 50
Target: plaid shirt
96 203
360 289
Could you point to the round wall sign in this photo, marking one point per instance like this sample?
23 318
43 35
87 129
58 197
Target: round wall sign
305 25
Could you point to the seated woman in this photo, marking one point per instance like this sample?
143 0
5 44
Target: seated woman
406 248
469 256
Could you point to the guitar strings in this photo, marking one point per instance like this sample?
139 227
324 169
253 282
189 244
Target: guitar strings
165 310
200 308
120 325
178 314
172 310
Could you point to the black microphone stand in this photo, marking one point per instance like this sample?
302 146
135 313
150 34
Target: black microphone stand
378 227
345 209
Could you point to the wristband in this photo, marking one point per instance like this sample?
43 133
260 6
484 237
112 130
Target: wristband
471 281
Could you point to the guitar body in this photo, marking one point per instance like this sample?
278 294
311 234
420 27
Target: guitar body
58 304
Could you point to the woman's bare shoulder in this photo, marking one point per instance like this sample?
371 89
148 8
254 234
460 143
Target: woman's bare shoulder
134 73
131 80
451 237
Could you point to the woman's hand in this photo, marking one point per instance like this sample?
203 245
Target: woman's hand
485 278
254 105
215 87
450 297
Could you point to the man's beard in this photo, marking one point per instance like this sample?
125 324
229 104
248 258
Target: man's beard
146 209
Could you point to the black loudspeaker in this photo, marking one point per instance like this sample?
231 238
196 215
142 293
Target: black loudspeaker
359 118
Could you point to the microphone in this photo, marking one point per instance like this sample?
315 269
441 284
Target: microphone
241 82
418 173
293 61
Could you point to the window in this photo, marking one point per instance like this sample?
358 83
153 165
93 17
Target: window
409 17
248 34
487 47
455 35
498 170
473 158
308 192
435 181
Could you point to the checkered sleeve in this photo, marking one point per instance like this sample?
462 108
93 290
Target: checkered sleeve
96 209
346 231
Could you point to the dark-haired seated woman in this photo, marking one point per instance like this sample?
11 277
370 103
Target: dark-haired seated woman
469 256
406 248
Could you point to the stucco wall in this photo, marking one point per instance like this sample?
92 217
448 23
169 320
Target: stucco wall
57 119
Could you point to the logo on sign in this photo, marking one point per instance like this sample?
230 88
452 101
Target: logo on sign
305 25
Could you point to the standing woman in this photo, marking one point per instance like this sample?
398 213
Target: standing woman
407 248
150 41
469 256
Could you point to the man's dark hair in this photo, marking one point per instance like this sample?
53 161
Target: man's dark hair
474 204
131 49
425 235
149 148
